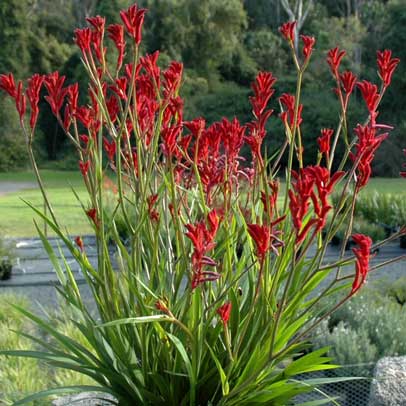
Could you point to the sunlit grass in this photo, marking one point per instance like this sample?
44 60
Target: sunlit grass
16 218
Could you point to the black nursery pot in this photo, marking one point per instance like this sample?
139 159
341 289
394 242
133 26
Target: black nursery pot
6 268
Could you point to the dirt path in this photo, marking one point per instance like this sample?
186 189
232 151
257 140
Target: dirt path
10 187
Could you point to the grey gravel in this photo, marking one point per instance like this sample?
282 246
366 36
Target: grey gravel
86 399
388 387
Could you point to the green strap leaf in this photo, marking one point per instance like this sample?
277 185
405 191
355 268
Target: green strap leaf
137 320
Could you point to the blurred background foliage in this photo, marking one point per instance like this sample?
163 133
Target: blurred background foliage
223 44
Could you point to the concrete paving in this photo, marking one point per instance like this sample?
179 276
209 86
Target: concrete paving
10 187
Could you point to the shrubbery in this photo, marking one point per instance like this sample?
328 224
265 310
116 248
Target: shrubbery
367 328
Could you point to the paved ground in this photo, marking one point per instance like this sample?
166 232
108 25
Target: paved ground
34 276
10 187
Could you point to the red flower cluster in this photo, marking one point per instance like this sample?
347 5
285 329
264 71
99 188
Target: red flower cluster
79 243
334 57
370 94
8 85
202 236
263 91
116 34
368 143
92 214
56 92
224 312
288 31
324 141
133 19
84 167
265 238
33 91
386 66
288 116
362 254
302 193
153 214
308 44
270 202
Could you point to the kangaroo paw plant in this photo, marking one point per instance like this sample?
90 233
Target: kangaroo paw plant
210 298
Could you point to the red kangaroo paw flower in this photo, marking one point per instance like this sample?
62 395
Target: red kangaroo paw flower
224 312
32 92
362 254
334 57
116 34
133 19
308 44
288 30
386 66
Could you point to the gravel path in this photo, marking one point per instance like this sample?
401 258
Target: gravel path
10 187
34 276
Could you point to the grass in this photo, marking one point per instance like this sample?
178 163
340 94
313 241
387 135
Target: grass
387 185
17 218
20 377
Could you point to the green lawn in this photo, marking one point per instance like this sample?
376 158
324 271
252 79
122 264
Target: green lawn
387 185
16 219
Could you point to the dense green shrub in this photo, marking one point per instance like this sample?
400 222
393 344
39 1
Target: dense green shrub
382 208
370 326
228 98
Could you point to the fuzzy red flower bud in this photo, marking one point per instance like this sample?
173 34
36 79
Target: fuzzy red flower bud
110 148
84 138
56 93
288 30
92 214
83 38
8 85
161 306
79 243
370 95
84 167
21 102
120 88
97 23
368 143
289 102
84 115
308 44
261 236
334 57
324 140
172 79
263 91
32 92
153 214
348 80
202 236
170 137
362 253
386 66
116 34
133 19
224 312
